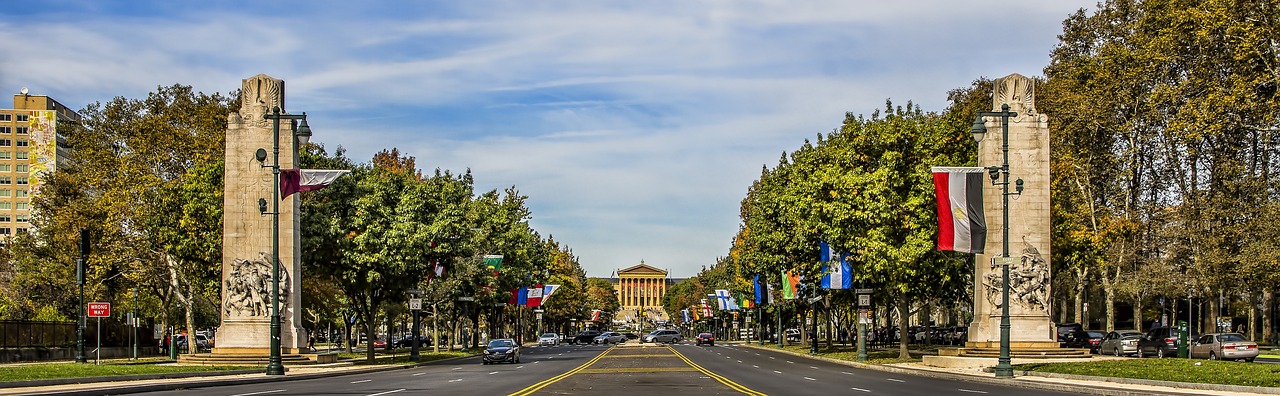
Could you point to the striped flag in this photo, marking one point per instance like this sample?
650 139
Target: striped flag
962 223
837 272
296 180
790 285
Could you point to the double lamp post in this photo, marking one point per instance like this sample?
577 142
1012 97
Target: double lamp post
301 135
1003 367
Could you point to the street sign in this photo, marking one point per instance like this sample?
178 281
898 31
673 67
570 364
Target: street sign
417 291
415 304
863 291
99 310
864 300
864 316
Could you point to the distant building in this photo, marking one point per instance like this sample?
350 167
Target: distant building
642 287
30 149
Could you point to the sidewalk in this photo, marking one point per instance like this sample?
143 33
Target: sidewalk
1056 382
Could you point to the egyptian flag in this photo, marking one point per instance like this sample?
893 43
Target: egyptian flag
296 180
962 224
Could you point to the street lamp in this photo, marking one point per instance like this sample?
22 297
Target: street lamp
1003 367
301 134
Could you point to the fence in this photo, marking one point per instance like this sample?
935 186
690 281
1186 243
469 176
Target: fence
22 333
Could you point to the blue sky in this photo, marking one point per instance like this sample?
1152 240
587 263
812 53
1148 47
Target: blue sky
634 127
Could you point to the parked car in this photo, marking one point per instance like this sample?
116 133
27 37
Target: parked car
1120 343
1095 340
793 335
656 336
549 339
1072 335
379 343
706 338
407 342
1224 346
631 336
1160 342
585 337
501 350
609 337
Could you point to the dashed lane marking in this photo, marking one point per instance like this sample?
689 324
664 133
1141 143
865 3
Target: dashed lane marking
260 393
387 392
970 391
755 366
860 389
495 372
456 380
895 380
846 372
776 371
812 367
415 375
811 379
361 381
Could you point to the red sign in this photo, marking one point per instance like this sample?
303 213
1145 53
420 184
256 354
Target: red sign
99 309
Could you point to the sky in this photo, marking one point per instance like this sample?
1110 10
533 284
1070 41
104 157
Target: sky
634 127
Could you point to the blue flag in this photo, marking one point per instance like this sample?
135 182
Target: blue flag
837 272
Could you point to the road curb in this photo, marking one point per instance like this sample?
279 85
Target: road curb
125 387
1100 389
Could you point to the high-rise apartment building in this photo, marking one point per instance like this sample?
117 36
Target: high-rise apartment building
30 148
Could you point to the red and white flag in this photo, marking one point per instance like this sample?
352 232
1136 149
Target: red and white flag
534 296
962 224
295 180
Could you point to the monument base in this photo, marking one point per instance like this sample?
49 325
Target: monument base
254 336
1013 344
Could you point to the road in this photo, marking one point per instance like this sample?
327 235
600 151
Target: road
682 369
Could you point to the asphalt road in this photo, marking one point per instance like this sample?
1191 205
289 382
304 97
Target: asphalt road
683 369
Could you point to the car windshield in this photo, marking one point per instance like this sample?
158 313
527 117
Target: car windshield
501 343
1230 338
549 335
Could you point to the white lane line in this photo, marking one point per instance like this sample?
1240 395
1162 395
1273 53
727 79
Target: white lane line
811 379
812 367
457 368
771 357
361 381
755 366
456 380
495 372
846 372
519 367
776 371
860 389
970 391
895 380
739 361
423 373
260 393
791 362
387 392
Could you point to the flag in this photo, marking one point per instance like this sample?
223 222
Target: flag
746 302
685 313
296 180
493 262
547 290
837 273
962 223
517 297
724 301
439 270
763 295
533 296
696 313
706 309
790 286
595 315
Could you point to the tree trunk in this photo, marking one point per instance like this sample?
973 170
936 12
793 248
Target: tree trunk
1079 300
1137 315
904 304
1253 317
1109 293
1267 296
191 319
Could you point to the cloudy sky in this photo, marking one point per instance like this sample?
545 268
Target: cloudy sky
634 127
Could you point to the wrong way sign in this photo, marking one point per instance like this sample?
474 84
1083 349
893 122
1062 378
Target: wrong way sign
99 310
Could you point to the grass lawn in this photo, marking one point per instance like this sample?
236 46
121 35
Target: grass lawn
1179 370
22 372
399 356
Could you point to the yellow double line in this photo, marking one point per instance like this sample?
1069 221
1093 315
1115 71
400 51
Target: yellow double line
538 386
717 377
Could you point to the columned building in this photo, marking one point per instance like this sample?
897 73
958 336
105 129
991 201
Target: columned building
641 287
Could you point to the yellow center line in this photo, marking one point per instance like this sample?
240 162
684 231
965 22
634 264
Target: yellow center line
620 356
717 377
535 387
636 370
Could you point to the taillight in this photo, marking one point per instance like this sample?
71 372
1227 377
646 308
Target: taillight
1171 340
1229 347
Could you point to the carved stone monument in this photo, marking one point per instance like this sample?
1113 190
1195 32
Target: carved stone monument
246 240
1029 226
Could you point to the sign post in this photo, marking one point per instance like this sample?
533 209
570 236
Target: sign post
864 319
99 310
415 305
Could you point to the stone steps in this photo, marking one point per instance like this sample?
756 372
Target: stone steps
1027 353
212 359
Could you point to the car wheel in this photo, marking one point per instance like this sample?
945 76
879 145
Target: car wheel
1160 352
1141 354
1116 352
1213 356
517 360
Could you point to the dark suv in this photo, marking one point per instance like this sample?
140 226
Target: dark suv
1160 342
1072 335
585 337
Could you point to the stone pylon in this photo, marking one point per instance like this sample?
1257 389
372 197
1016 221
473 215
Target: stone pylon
246 241
1029 226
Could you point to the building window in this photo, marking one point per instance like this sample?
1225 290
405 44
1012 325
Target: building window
22 142
20 168
22 180
23 193
6 142
6 180
22 155
6 168
22 206
4 230
6 205
6 155
5 129
5 218
22 130
6 117
22 217
5 193
22 118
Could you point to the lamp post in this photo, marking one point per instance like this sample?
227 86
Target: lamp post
1003 367
301 134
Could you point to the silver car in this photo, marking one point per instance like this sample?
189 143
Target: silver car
610 338
656 336
1120 343
1224 346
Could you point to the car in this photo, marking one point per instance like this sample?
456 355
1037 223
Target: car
1224 346
407 342
631 336
1160 342
585 337
609 337
656 336
379 343
1095 340
793 335
1120 343
706 338
1069 335
501 350
549 339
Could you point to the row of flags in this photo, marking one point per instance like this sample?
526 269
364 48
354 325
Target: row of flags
533 296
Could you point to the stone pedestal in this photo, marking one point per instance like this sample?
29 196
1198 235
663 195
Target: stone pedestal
1029 226
246 242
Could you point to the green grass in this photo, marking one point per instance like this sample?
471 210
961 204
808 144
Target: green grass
1179 370
400 356
24 372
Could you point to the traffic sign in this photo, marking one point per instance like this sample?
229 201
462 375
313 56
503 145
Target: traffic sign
99 310
864 300
415 304
863 291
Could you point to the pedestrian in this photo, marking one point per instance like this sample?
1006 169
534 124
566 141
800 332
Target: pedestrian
311 343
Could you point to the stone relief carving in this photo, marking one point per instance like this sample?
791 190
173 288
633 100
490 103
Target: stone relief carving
1018 91
1028 281
258 95
248 287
